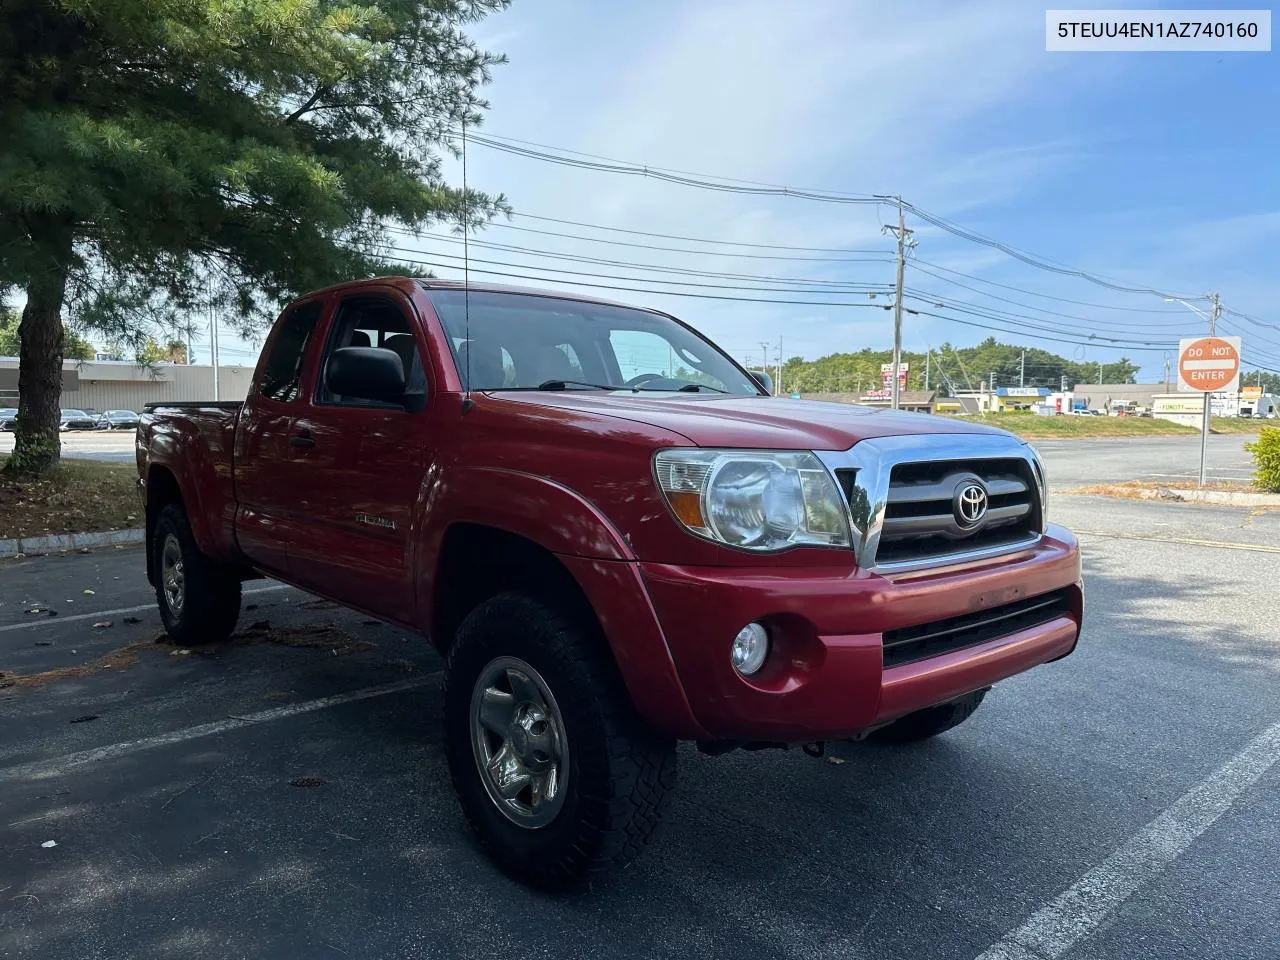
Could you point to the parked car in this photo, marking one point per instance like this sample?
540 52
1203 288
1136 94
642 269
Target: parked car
8 416
118 420
612 553
77 420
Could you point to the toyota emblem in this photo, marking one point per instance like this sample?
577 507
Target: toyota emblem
970 505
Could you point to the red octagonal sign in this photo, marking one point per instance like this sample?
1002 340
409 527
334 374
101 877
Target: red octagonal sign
1209 364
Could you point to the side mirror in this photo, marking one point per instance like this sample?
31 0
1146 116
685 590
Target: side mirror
366 373
764 380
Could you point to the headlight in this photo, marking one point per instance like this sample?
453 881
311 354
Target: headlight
753 499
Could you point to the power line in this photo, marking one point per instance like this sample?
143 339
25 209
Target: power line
1020 319
659 268
700 253
1039 331
1038 262
701 181
915 264
665 293
1046 296
684 283
1082 343
668 236
1254 320
724 184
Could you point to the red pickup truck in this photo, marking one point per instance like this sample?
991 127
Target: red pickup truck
616 539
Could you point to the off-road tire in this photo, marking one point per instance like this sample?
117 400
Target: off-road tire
931 721
621 774
211 595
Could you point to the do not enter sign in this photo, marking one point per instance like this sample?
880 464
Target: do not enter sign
1209 364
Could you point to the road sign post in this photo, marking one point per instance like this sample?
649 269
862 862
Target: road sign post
1207 365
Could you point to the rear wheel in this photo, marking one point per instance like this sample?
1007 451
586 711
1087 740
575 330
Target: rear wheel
931 721
199 601
556 773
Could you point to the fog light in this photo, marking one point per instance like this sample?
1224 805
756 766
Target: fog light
750 647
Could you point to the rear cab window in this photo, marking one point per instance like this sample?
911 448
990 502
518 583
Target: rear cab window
282 370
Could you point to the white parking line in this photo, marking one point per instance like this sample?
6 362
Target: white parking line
1080 910
1189 541
53 622
44 769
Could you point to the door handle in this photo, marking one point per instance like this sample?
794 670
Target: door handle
302 440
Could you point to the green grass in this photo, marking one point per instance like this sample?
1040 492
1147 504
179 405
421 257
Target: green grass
1034 427
80 496
1237 425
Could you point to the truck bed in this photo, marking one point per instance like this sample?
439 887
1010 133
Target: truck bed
194 405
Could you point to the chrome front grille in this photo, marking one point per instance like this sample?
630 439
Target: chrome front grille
932 500
921 518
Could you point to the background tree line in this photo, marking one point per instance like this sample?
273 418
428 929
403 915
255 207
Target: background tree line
951 368
74 346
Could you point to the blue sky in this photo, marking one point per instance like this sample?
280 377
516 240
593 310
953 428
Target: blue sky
1157 169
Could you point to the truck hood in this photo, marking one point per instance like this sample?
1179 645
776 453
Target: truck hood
774 423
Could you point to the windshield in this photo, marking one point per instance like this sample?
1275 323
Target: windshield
74 413
527 342
120 414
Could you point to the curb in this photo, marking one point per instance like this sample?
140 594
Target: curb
1229 498
70 541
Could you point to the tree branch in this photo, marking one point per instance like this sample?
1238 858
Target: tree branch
306 107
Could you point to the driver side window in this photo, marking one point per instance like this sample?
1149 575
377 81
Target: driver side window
372 321
640 352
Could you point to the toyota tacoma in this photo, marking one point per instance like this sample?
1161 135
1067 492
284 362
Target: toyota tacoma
615 538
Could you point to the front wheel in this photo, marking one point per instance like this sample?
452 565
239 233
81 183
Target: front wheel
199 601
556 773
931 721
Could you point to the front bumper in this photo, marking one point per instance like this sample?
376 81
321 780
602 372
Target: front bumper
826 678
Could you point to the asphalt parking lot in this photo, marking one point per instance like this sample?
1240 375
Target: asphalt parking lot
285 795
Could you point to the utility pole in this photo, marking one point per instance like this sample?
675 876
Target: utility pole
1168 373
993 381
902 233
1064 383
1022 369
928 355
213 342
1099 372
1214 313
777 383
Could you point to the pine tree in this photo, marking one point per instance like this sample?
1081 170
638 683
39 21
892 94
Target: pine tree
155 157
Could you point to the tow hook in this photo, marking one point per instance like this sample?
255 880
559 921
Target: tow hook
815 749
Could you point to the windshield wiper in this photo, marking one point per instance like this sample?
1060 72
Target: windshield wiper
687 388
565 384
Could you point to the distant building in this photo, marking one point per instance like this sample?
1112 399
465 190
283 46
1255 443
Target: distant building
1100 396
917 401
123 385
1000 400
1188 408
